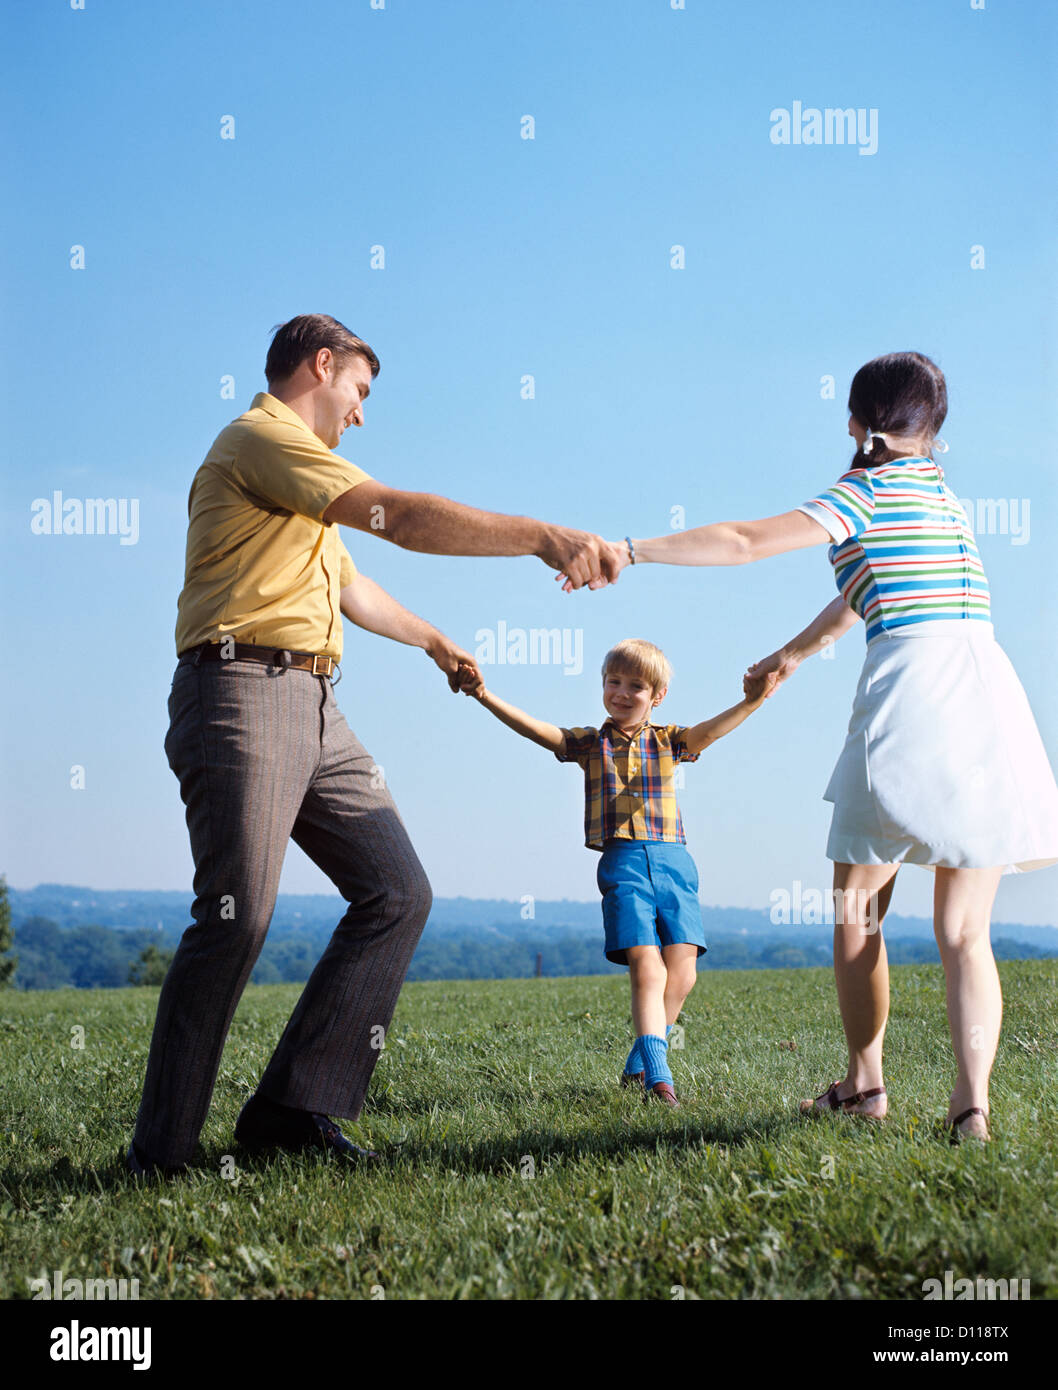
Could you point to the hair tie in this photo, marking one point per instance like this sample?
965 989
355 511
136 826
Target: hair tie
872 435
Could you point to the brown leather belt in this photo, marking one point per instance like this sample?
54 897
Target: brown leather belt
266 656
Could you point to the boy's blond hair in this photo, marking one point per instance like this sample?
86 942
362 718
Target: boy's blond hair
638 658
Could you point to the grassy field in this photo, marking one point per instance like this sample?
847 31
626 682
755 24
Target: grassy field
514 1167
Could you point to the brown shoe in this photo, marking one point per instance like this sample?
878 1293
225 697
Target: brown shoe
830 1095
956 1134
663 1091
632 1078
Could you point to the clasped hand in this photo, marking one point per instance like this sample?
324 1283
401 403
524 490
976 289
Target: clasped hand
778 665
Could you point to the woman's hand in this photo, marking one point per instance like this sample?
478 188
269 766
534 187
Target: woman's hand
757 688
782 663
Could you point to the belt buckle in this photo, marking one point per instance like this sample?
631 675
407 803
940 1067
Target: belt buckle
324 672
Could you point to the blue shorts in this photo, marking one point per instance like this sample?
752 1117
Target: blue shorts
649 896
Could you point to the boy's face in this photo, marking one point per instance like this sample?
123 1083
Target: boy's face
628 699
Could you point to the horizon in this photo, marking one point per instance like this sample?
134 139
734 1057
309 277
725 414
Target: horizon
336 898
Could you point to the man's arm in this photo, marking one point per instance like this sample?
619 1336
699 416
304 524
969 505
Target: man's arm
437 526
538 730
369 606
701 735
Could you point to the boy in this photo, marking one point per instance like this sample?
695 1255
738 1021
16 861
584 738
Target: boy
647 877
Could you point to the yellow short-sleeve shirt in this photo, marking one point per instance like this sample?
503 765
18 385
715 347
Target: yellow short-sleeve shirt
261 565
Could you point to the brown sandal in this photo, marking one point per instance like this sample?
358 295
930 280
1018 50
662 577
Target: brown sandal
830 1095
954 1131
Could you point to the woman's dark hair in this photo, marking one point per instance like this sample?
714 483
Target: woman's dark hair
304 336
903 394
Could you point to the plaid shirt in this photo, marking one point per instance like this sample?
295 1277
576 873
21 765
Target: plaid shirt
628 781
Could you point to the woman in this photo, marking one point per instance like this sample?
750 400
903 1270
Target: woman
943 765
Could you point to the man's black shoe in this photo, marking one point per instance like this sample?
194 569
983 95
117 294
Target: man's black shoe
331 1137
141 1167
263 1124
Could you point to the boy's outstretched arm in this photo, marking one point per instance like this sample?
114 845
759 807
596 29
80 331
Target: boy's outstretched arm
369 606
824 629
547 735
757 691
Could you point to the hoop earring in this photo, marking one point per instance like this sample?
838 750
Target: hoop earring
940 445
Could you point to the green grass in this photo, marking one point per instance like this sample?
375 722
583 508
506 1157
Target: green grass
480 1084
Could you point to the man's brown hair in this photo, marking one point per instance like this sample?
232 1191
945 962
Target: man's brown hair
303 337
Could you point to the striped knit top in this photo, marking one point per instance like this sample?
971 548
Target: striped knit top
903 550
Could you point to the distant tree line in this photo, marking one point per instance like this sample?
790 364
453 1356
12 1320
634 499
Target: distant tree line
94 957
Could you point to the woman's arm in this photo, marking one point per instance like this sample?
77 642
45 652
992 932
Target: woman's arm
720 543
732 542
825 628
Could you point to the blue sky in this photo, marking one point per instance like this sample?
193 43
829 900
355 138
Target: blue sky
655 388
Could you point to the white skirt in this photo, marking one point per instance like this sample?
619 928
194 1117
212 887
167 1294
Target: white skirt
943 764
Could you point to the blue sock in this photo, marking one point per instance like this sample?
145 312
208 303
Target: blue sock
668 1030
653 1050
634 1060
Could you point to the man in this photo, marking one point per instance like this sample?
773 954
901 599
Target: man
263 754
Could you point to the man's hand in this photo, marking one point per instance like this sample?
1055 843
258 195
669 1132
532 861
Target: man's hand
451 660
580 558
612 560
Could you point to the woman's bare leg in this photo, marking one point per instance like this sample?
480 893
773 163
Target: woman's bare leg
861 972
962 910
